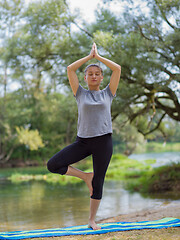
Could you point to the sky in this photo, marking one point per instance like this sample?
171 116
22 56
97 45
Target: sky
87 7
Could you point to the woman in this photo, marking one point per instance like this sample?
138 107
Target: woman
94 128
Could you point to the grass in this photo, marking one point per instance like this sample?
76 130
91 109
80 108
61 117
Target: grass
139 176
8 172
162 179
121 167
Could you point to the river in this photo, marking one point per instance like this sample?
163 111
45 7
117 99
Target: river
161 158
37 204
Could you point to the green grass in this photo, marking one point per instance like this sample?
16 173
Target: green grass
139 176
161 179
121 167
8 172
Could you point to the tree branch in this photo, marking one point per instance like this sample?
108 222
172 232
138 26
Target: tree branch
169 110
140 112
164 16
141 32
82 29
5 157
155 128
173 98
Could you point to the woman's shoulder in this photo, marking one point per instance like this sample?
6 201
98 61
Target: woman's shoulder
107 90
80 91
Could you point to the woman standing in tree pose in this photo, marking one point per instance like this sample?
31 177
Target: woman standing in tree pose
94 128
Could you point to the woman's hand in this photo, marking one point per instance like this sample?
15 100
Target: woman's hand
94 52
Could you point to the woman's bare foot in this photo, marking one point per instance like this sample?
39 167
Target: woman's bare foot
88 181
93 225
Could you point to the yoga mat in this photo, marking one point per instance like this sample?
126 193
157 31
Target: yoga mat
84 230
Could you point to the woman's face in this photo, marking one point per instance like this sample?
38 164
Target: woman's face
93 77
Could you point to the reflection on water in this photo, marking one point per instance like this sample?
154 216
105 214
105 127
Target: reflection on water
35 205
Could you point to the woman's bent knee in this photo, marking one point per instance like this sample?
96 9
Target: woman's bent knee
53 167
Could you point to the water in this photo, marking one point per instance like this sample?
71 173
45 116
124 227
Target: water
161 158
38 204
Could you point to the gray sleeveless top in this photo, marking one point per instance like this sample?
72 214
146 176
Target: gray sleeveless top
94 112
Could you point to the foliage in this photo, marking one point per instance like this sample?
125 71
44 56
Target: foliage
162 179
37 44
145 45
120 168
32 51
7 143
30 138
130 136
136 175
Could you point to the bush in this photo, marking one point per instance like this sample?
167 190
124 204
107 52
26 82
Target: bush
162 179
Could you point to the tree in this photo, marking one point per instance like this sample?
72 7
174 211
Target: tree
146 45
126 133
37 44
33 42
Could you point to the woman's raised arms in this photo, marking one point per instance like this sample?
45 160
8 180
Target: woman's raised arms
116 70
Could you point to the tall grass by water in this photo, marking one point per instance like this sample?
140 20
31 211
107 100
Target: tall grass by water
136 175
121 167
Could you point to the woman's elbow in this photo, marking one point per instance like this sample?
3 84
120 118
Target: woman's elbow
68 68
119 67
119 70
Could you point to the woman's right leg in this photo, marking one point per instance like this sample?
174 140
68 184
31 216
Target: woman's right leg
61 161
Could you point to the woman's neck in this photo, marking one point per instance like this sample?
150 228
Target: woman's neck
94 88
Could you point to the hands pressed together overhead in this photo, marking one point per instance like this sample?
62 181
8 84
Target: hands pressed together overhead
94 52
115 76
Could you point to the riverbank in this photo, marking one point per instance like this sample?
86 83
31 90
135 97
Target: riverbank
168 209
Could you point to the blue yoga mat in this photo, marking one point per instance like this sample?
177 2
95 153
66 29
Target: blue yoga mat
84 230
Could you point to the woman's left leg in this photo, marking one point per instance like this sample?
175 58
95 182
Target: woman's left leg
102 152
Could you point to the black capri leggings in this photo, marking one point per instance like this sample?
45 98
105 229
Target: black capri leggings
101 149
